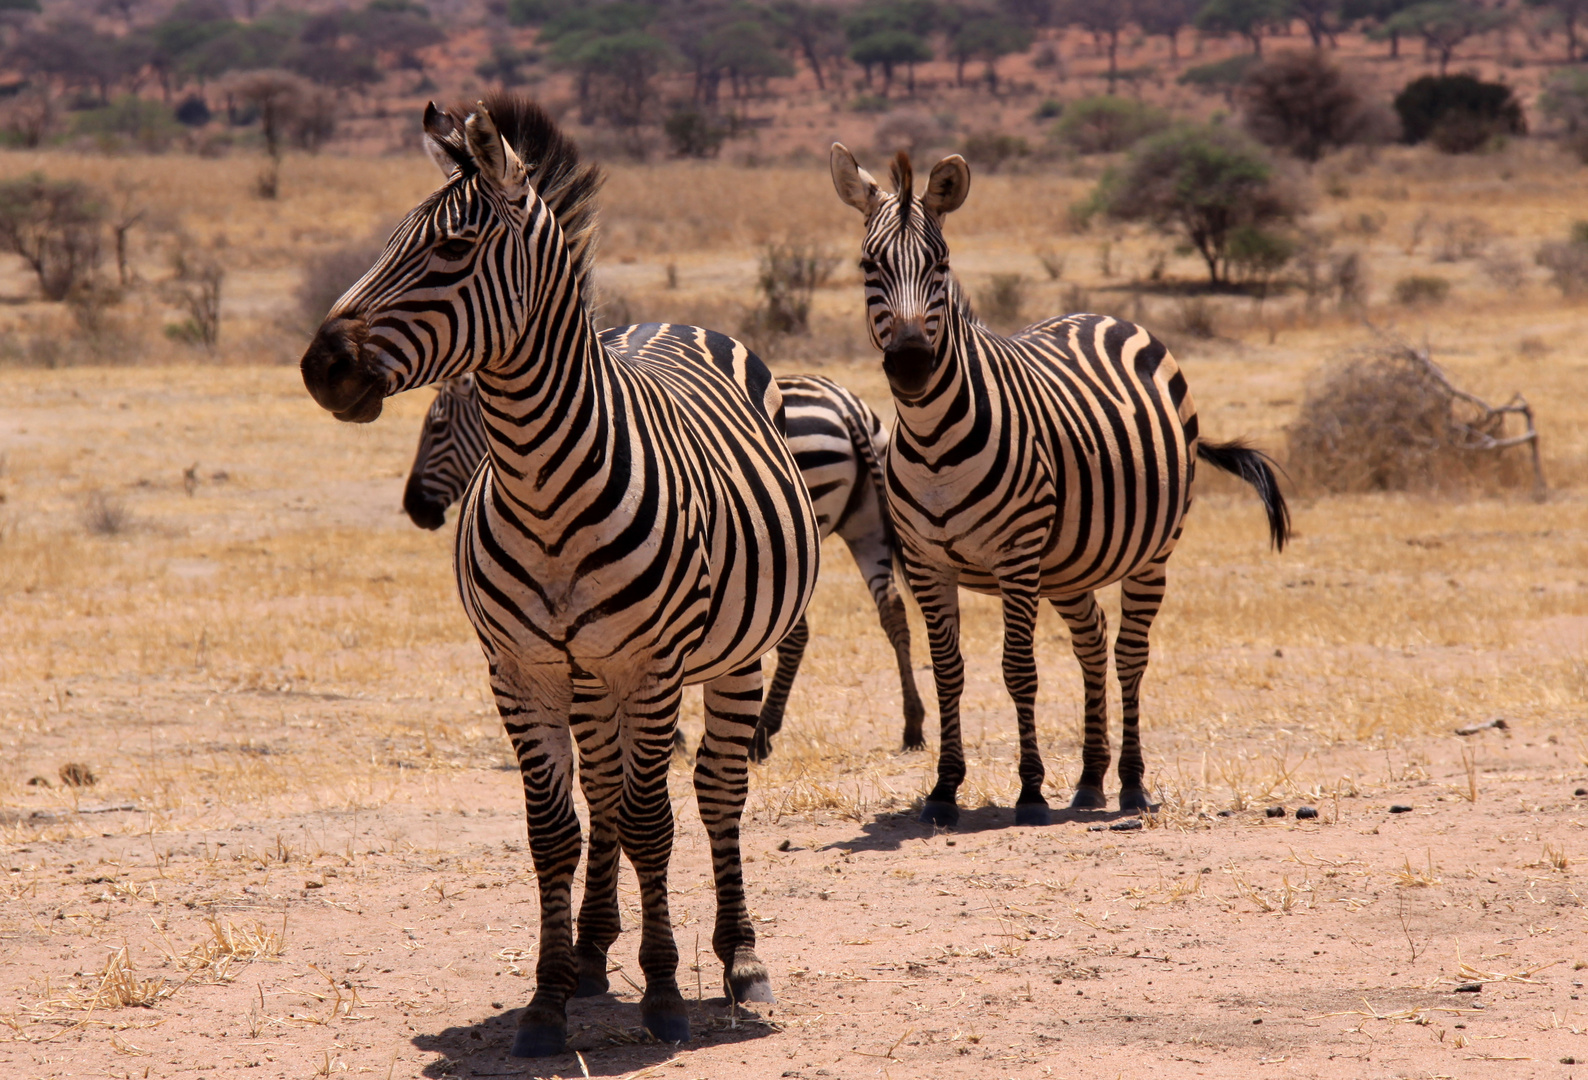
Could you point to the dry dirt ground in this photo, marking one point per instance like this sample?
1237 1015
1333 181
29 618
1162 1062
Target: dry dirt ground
304 853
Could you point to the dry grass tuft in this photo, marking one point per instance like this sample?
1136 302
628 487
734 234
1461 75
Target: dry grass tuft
105 515
76 774
228 945
120 988
1390 420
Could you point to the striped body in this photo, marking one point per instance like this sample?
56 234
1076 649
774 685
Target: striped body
639 524
1044 465
837 442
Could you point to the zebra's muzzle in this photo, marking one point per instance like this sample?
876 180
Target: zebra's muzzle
423 511
336 375
908 361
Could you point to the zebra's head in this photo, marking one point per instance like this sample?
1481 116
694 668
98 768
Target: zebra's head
451 446
454 290
904 257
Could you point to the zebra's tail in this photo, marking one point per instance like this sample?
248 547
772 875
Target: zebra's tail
1257 469
866 451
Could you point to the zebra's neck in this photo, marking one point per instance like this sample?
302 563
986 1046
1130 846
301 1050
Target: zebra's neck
547 403
950 396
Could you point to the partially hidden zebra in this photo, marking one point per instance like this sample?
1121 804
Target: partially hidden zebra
837 442
640 524
1046 464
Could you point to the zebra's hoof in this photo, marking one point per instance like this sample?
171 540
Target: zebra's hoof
1134 799
591 985
1033 813
913 738
539 1040
748 980
945 815
1088 798
760 746
665 1019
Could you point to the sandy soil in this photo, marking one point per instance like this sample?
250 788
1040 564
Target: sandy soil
1206 945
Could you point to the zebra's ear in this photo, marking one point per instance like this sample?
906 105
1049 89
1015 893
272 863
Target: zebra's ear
495 159
854 185
443 141
947 187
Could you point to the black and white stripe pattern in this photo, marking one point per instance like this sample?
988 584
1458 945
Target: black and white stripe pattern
1047 464
837 442
639 525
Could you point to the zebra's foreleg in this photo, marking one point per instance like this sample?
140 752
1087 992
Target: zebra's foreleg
939 602
1089 638
1020 601
1141 596
647 721
874 555
601 777
789 653
721 784
536 719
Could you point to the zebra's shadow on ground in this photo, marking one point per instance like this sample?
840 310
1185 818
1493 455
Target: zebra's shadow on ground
605 1032
890 832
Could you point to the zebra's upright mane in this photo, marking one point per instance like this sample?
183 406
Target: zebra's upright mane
566 184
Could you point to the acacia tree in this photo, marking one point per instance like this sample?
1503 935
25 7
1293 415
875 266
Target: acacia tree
280 97
1251 19
1300 102
986 37
1570 14
56 228
1445 24
1165 19
1105 20
1204 183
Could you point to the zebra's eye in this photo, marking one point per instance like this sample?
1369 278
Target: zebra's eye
868 266
454 250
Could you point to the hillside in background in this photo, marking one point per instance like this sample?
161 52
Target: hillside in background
750 81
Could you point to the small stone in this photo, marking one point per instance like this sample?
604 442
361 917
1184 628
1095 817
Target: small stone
1399 809
784 846
950 843
1470 988
496 1004
1568 1061
1094 828
1275 811
1579 791
1226 813
1259 1020
1305 812
1128 825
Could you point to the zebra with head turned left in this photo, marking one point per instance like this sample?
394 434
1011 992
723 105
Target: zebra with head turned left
638 524
837 442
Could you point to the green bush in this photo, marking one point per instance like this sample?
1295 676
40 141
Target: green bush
992 150
1205 183
693 133
1050 109
130 122
1106 124
1458 113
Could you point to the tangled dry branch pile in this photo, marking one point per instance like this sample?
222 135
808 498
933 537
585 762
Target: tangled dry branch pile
1392 420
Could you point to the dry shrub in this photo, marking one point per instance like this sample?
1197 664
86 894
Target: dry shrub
1462 238
1000 304
120 988
105 515
1195 318
76 774
1389 420
789 275
1419 290
330 274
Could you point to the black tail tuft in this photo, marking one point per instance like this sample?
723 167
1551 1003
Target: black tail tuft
1257 469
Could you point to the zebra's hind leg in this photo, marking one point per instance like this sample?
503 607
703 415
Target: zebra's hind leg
1089 638
601 777
1141 596
722 780
939 602
874 555
1020 601
789 653
536 719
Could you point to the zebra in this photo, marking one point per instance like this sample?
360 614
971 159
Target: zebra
837 442
639 525
1046 464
